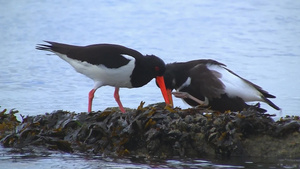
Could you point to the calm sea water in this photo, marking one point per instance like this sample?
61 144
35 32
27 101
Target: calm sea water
62 161
259 40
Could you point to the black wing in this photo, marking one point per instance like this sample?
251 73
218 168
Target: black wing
110 55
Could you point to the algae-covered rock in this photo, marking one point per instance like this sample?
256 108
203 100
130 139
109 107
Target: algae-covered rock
155 131
8 122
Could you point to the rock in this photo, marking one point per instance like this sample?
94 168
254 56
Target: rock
154 131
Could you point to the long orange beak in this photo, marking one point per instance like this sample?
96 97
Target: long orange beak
166 93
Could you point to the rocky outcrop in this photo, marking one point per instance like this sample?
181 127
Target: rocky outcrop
154 131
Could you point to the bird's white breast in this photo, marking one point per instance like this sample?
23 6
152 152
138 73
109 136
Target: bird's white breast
117 77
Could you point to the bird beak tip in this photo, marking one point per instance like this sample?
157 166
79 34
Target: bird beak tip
170 99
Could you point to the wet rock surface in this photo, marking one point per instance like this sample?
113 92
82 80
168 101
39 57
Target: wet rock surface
154 131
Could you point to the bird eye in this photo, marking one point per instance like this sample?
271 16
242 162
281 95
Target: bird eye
156 68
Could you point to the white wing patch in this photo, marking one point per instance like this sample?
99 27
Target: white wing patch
117 77
185 84
235 86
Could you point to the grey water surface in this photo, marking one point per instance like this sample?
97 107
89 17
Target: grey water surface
258 40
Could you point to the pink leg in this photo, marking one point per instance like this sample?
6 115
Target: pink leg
185 95
91 96
117 98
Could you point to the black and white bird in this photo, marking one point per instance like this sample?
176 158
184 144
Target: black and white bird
209 83
112 65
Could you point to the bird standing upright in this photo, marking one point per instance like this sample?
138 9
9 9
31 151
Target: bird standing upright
112 65
209 83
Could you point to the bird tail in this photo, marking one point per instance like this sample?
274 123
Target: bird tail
271 104
55 47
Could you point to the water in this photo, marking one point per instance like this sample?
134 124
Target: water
259 40
61 161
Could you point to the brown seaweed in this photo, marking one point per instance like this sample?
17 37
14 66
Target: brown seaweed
154 131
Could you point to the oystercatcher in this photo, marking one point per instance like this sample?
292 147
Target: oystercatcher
209 83
112 65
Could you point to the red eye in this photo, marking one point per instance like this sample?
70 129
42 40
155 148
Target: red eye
156 68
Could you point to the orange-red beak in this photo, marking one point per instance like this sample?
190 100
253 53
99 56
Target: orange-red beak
166 93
